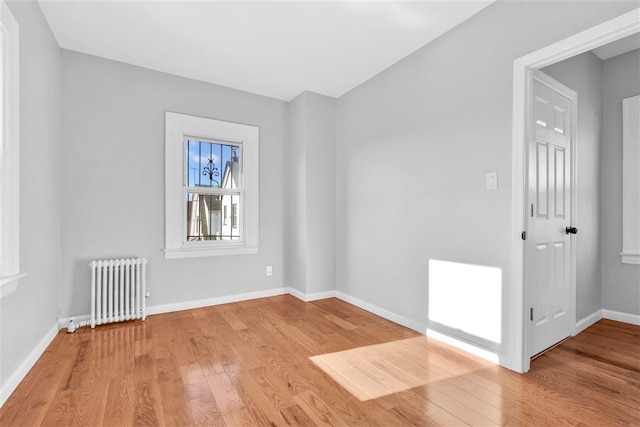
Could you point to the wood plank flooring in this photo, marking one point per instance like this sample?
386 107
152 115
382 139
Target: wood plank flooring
248 364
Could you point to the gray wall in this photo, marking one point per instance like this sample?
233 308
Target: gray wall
113 179
27 315
310 242
295 203
320 192
620 282
414 143
583 74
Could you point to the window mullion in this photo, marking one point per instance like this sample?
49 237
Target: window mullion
213 191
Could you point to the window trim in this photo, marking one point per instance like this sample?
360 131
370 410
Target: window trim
177 127
630 176
9 155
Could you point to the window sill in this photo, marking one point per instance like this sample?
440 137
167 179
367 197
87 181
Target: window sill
197 252
9 284
630 258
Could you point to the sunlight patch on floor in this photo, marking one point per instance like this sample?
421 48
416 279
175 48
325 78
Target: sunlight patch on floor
378 370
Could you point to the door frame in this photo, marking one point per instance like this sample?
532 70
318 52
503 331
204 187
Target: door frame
607 32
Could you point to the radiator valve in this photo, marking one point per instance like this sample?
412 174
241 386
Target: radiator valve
72 327
75 325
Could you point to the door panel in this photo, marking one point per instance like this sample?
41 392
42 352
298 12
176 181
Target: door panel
547 250
560 181
542 187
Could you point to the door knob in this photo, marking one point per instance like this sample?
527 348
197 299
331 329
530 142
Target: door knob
571 230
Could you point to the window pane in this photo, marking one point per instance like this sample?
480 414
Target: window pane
206 217
230 228
211 164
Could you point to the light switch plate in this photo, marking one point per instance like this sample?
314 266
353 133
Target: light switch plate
492 180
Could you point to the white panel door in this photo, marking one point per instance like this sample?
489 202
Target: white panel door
547 248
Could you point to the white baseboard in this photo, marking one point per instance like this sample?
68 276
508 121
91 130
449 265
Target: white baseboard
187 305
619 316
485 354
18 375
583 324
321 295
382 312
310 297
296 293
419 327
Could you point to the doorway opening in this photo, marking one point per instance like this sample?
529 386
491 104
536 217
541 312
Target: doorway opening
607 32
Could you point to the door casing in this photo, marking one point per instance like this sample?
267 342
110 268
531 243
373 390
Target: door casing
607 32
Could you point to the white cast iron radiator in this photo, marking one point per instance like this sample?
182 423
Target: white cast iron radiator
117 290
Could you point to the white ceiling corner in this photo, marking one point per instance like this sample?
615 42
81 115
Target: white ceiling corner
272 48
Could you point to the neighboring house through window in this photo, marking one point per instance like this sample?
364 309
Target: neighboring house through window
211 169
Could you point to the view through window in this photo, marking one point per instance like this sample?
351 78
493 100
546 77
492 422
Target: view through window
213 184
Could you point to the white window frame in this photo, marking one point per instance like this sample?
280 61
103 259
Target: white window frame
9 154
630 181
177 128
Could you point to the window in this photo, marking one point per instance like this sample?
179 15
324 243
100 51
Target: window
212 183
9 154
211 170
631 180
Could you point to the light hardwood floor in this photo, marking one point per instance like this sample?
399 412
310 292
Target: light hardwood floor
248 364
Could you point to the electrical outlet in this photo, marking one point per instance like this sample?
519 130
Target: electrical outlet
269 270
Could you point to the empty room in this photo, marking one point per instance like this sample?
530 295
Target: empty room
356 213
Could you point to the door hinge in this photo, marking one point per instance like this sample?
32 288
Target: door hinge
524 235
531 314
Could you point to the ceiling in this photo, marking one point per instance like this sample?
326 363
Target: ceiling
277 49
618 47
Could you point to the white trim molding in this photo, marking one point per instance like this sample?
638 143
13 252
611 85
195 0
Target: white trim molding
9 285
310 297
186 252
178 127
383 312
19 374
63 322
630 258
591 319
9 153
476 350
618 316
422 328
607 32
419 327
187 305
